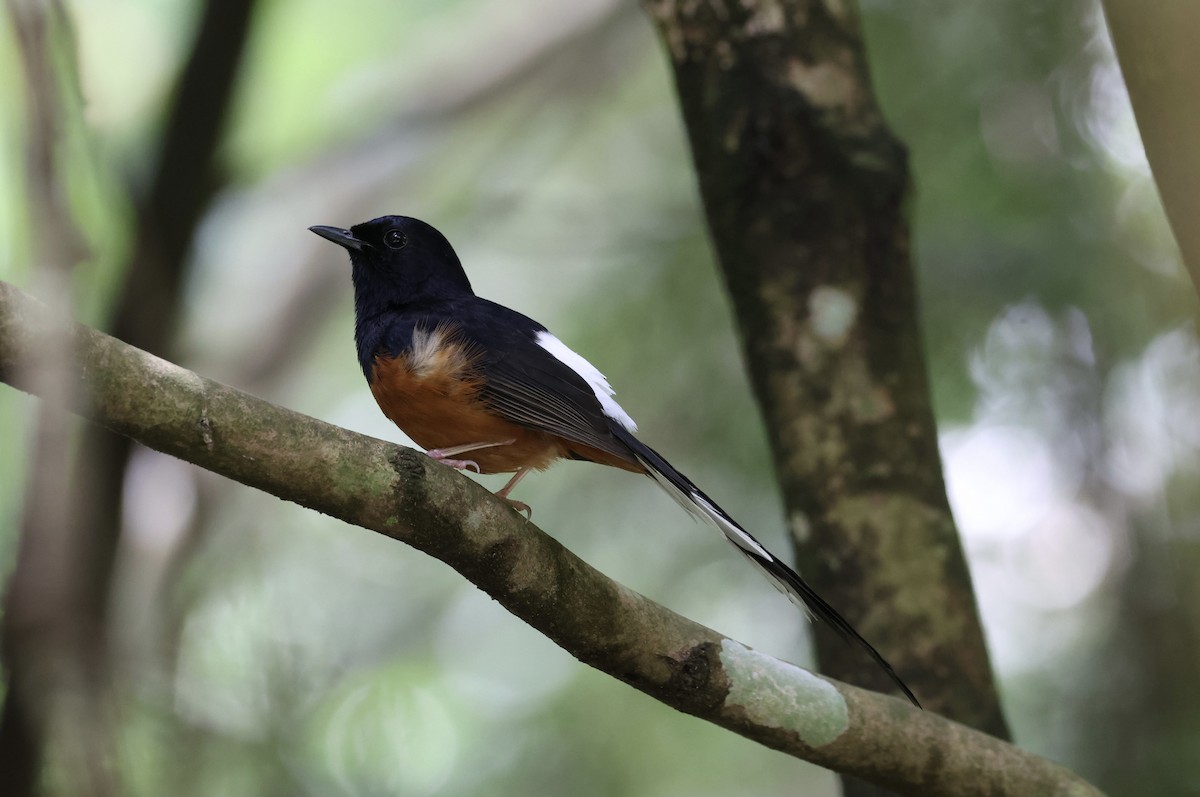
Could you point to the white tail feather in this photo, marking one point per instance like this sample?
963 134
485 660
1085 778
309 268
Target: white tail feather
698 506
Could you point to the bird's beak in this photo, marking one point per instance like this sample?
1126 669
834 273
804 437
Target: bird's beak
340 237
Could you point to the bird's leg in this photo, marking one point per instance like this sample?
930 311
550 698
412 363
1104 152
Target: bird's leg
503 492
443 455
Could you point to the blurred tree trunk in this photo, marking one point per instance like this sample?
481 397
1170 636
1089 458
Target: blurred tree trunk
1156 46
54 704
804 188
70 638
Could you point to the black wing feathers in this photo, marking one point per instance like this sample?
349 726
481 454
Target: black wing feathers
529 385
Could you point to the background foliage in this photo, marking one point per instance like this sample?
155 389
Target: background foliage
262 649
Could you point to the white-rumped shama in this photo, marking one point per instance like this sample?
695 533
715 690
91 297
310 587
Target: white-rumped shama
463 376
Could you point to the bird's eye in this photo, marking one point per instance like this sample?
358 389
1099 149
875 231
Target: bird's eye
395 239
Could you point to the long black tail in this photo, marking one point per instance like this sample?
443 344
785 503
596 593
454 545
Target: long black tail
785 579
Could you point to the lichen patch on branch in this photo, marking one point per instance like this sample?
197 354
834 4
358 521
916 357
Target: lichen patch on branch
774 693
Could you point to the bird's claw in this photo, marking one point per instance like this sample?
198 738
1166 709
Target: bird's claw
458 464
520 506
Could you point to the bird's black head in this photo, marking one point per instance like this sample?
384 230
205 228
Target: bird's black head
399 261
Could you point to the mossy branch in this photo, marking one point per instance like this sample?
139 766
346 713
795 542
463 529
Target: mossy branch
404 495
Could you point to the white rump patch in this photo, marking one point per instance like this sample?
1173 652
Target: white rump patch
590 374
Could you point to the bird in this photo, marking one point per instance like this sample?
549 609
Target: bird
485 388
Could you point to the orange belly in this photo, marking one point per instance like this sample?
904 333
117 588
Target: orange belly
441 408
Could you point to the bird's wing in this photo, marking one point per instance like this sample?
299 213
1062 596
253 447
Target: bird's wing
533 379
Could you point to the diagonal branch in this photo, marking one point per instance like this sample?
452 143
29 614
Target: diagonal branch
404 495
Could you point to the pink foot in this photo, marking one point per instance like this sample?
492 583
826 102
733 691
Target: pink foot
460 464
520 506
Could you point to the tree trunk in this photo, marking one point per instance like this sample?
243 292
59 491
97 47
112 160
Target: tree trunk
804 188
